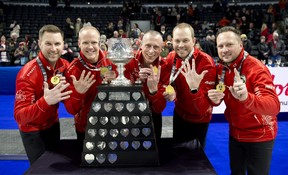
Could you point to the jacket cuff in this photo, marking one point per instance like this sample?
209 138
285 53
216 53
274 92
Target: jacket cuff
42 104
248 102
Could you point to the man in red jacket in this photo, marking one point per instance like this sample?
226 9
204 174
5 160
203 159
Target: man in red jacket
39 89
84 76
246 86
193 73
151 69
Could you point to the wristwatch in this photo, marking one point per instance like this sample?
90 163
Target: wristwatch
194 90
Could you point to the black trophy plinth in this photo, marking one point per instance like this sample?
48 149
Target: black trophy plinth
120 129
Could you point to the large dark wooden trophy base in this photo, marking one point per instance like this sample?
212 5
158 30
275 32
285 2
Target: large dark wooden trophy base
120 129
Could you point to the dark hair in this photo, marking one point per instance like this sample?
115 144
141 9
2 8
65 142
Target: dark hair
229 29
51 29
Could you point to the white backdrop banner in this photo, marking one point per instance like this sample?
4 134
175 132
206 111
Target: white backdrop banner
280 79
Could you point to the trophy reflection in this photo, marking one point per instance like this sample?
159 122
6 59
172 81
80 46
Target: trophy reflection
120 51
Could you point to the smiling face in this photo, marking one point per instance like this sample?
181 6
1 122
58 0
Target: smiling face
88 43
51 45
229 46
151 46
183 41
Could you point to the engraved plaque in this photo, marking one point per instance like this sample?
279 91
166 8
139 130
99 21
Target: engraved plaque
119 96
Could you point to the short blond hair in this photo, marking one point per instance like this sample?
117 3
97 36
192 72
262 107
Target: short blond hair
183 26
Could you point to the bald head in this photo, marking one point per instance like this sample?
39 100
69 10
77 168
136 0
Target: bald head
151 34
86 29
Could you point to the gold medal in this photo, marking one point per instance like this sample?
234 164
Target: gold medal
169 89
103 70
55 80
220 87
155 70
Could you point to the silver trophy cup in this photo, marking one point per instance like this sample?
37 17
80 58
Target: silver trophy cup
120 52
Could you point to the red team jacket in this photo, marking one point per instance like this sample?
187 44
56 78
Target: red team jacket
79 104
31 111
195 108
157 102
252 120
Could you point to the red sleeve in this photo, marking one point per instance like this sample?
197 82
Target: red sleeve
28 109
262 98
76 100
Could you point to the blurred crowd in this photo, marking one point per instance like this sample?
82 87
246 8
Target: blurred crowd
264 31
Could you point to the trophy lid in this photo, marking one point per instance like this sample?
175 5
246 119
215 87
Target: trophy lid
119 49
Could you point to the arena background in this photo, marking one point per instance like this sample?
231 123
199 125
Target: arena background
13 160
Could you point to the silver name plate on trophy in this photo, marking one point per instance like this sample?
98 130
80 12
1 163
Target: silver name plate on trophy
119 96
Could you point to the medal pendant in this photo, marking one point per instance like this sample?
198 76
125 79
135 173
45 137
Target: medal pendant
220 87
103 70
55 80
169 89
155 70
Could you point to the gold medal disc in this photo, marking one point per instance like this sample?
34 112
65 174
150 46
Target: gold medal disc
55 80
220 87
103 70
155 70
169 89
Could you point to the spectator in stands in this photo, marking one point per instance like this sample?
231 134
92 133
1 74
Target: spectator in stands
122 34
251 105
67 53
34 51
110 30
104 48
4 53
270 14
164 32
244 24
86 22
103 41
165 50
115 34
12 45
247 44
193 111
159 20
224 22
84 76
234 23
15 28
251 34
69 28
168 38
135 31
277 47
178 20
208 45
78 26
28 41
141 36
264 31
135 48
39 89
142 68
283 7
21 54
120 25
264 50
